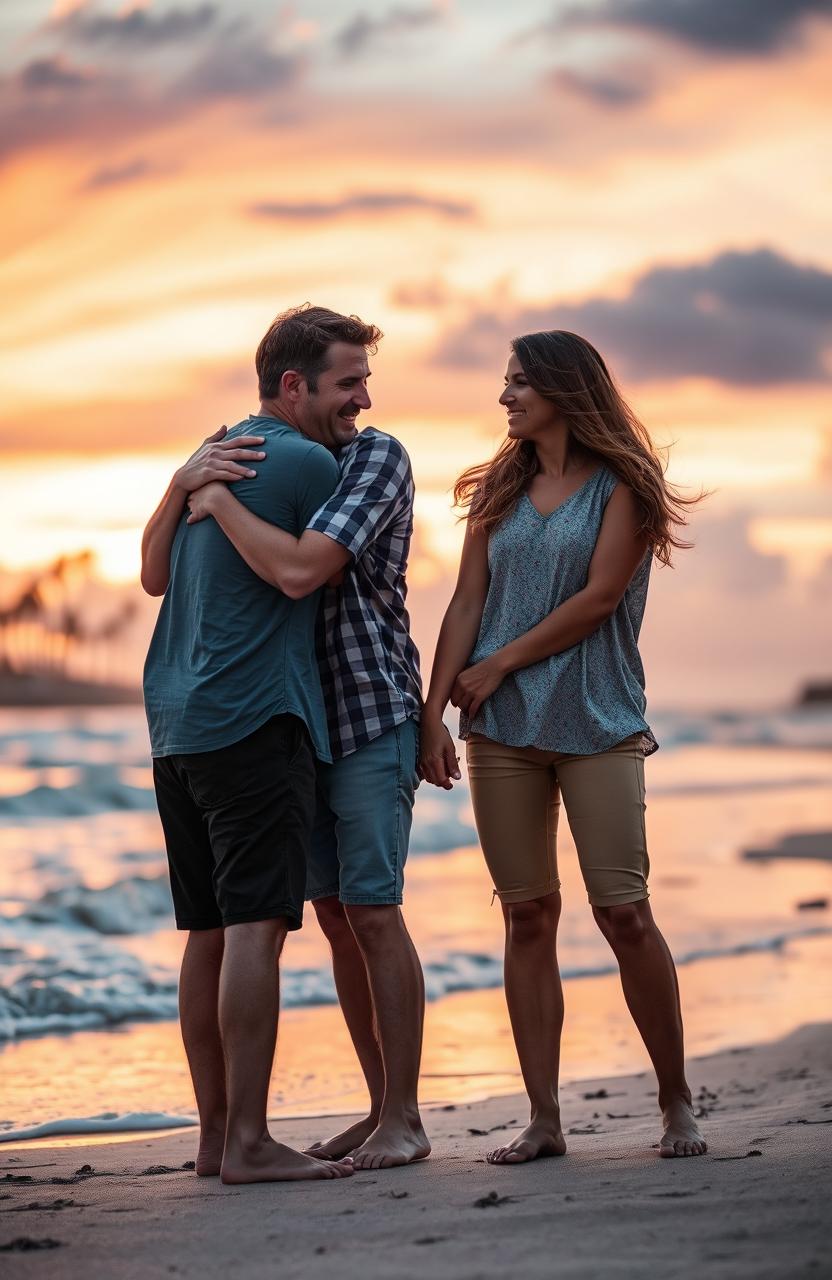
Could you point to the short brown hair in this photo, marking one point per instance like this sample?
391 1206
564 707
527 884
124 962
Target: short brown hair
300 339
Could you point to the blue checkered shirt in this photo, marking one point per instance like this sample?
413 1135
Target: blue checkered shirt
369 663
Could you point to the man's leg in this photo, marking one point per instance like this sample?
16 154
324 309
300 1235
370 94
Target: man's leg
357 1006
248 1013
198 1016
398 993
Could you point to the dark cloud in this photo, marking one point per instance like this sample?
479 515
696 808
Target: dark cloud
607 89
242 67
362 202
721 26
746 318
353 38
50 74
118 175
139 28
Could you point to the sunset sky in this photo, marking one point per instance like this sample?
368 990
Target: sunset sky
653 174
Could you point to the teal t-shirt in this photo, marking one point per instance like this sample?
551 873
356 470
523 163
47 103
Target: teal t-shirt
229 651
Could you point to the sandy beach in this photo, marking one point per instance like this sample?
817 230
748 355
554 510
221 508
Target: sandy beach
753 1206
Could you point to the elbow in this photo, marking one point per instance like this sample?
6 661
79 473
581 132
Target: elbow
153 586
298 583
603 605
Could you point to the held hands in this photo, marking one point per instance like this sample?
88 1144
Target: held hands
219 459
438 761
473 685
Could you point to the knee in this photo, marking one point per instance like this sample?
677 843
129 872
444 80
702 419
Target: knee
332 918
530 922
625 925
374 926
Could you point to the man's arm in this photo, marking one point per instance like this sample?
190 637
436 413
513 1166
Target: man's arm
296 566
215 459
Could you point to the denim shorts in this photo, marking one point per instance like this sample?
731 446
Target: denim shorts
363 820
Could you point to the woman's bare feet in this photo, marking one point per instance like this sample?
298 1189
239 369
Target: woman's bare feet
209 1156
681 1135
393 1143
270 1161
342 1144
539 1139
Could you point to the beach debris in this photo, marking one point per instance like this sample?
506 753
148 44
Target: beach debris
430 1240
189 1164
398 1195
593 1128
43 1204
478 1133
18 1177
450 1107
321 1248
85 1168
802 844
813 904
153 1169
598 1093
753 1152
26 1244
492 1200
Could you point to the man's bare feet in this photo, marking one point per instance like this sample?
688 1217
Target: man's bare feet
342 1144
681 1135
393 1143
270 1161
209 1156
539 1139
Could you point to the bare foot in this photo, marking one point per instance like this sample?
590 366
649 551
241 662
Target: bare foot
270 1161
681 1135
393 1143
209 1156
342 1144
539 1139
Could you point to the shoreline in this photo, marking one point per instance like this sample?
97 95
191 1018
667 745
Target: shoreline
753 1206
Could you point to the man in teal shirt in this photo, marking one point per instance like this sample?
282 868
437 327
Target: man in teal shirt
236 718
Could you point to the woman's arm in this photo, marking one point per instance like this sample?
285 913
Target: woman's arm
215 459
457 637
618 553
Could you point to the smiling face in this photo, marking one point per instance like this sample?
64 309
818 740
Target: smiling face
328 414
529 414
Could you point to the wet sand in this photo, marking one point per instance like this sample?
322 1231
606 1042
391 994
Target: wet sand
755 1205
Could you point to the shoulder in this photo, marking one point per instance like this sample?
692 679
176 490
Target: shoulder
374 448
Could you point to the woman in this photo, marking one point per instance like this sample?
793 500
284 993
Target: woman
538 649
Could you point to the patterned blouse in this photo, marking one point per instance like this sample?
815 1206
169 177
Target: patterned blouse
585 699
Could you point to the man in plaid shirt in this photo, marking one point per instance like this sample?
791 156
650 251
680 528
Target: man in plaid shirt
372 690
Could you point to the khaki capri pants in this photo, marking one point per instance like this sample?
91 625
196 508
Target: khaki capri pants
516 795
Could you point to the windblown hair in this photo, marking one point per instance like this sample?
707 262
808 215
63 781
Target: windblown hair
300 339
567 370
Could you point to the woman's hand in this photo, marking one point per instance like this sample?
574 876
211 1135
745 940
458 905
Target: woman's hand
473 685
203 502
438 761
219 459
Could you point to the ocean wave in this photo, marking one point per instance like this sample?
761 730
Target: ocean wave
94 988
134 905
108 1122
99 789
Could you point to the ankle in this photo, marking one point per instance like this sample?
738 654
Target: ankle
547 1114
405 1115
672 1097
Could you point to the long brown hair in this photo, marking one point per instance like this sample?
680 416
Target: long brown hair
567 370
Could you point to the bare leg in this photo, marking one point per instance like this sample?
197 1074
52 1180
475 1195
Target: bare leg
398 993
535 1005
248 1012
198 992
651 989
356 1004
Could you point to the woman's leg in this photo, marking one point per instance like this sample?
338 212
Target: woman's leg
651 989
515 800
535 1004
604 800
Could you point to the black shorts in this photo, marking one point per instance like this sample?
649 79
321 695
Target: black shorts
237 824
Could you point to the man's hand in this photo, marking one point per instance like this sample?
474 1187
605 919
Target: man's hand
219 459
438 761
203 502
473 685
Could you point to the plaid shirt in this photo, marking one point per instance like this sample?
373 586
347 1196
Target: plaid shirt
369 663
